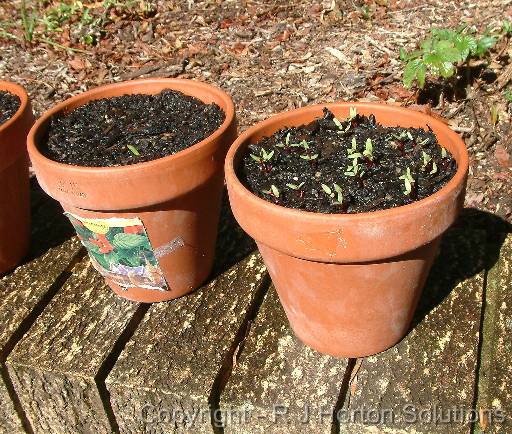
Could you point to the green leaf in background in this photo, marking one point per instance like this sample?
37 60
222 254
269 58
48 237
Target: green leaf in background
411 71
447 51
484 44
466 45
128 241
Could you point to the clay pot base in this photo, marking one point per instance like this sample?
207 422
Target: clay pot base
174 199
349 283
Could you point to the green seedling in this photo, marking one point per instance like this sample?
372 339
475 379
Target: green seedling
444 154
286 142
409 135
353 149
408 181
368 149
295 186
338 193
309 157
434 168
264 156
426 159
352 112
272 191
423 142
133 150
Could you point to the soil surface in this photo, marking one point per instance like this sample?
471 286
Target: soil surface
9 105
350 166
130 129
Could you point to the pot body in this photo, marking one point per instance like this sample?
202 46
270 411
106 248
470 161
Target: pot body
14 178
349 283
150 228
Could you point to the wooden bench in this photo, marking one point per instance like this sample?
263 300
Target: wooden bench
78 359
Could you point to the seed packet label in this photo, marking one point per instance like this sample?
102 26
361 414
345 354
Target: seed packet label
120 250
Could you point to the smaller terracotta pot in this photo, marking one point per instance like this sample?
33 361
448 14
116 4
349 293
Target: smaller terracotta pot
151 227
14 178
349 283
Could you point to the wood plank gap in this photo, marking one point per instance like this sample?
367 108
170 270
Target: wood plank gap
344 394
23 328
111 360
236 349
488 328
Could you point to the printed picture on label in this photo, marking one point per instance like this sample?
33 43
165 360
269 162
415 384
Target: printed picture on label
120 250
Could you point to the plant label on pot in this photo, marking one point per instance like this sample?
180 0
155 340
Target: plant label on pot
120 250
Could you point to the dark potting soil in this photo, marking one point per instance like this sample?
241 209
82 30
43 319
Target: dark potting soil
350 166
130 129
9 105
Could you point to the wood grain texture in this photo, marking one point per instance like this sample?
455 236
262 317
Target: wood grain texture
433 367
495 375
56 367
166 379
25 291
280 385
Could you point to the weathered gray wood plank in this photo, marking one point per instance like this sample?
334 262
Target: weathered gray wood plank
495 375
178 357
25 291
57 367
434 367
280 385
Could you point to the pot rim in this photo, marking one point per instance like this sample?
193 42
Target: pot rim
283 117
22 94
96 93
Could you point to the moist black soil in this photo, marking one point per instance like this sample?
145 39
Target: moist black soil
9 105
350 166
130 129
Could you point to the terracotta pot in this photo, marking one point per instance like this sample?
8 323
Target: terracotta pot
349 283
171 204
14 179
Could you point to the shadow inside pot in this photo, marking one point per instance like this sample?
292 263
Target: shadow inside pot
472 244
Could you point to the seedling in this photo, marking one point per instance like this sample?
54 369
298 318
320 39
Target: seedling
354 168
133 150
264 156
426 159
408 181
352 112
263 160
286 143
434 168
272 191
409 135
309 157
444 154
295 186
368 149
353 149
338 193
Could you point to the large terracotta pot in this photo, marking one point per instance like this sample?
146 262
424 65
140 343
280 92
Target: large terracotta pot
349 283
166 209
14 179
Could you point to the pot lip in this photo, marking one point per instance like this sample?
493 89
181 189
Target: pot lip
293 213
21 93
156 164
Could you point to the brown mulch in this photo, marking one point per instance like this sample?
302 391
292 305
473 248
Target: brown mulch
273 56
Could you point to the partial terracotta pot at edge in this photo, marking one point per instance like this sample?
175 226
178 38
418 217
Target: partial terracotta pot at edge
349 283
14 178
177 197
